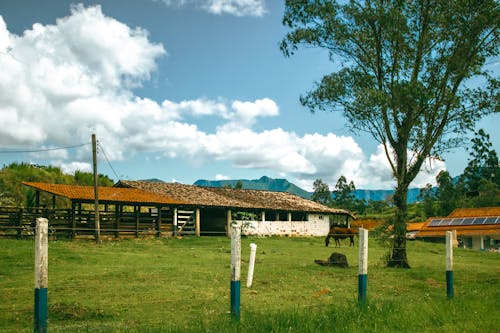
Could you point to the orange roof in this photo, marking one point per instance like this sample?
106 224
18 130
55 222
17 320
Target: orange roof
475 212
415 226
467 229
105 194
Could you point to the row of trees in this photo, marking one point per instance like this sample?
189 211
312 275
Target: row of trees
13 193
478 186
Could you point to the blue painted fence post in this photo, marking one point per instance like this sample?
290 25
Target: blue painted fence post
235 269
41 275
363 266
449 264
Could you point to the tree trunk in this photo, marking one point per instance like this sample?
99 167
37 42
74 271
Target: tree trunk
398 252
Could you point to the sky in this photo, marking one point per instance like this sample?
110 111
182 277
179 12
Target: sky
180 91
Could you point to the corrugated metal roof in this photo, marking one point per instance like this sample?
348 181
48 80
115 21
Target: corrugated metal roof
233 198
105 194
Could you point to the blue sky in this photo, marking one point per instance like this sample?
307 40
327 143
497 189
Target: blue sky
177 90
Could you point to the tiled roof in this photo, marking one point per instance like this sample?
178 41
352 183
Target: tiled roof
233 198
105 194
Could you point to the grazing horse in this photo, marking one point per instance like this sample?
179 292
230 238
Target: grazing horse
340 233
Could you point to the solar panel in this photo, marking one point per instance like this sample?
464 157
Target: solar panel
457 221
492 220
434 223
478 220
468 221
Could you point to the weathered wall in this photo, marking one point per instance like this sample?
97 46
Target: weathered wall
316 226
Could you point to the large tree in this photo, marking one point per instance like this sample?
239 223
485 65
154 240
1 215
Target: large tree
321 192
401 74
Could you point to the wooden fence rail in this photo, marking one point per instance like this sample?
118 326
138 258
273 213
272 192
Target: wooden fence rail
19 222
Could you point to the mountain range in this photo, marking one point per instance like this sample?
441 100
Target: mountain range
283 185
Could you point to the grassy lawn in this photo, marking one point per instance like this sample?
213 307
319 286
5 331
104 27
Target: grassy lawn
182 285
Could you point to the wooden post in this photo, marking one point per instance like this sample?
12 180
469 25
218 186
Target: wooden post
137 211
363 266
263 216
449 264
175 223
197 223
41 275
96 182
235 270
289 217
251 264
158 223
73 220
229 221
117 220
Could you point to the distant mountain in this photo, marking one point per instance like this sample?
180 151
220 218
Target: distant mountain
263 183
152 180
283 185
379 195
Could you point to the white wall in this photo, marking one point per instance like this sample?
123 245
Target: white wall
318 225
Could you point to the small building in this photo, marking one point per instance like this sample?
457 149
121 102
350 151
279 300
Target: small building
476 228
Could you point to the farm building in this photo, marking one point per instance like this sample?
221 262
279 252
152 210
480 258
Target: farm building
139 208
476 228
263 212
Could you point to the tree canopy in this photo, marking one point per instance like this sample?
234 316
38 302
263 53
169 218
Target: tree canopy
401 74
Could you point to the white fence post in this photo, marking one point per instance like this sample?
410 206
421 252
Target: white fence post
251 264
41 275
449 264
363 265
235 269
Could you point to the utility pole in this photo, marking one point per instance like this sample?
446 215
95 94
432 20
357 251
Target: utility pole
96 198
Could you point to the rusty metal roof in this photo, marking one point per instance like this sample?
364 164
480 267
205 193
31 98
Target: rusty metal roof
105 194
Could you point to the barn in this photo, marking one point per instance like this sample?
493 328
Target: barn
475 228
262 212
139 208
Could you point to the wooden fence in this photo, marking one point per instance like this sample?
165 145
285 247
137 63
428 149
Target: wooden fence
19 222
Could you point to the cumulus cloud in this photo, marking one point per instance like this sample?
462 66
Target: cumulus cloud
256 8
62 82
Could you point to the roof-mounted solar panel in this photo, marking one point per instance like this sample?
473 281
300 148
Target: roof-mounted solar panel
492 220
456 221
478 220
434 222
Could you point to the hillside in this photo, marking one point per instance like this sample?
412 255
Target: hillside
263 183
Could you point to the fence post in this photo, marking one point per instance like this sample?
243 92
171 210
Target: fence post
41 275
235 269
449 264
251 264
363 265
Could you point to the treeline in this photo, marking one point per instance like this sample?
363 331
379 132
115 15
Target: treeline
13 193
478 186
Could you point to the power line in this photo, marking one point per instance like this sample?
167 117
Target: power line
8 151
107 160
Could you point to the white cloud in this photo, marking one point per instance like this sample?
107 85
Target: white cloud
62 82
236 7
221 177
70 168
240 8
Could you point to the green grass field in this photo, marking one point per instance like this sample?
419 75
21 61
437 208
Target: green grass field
182 285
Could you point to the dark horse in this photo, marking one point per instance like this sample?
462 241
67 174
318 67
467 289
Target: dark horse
340 233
